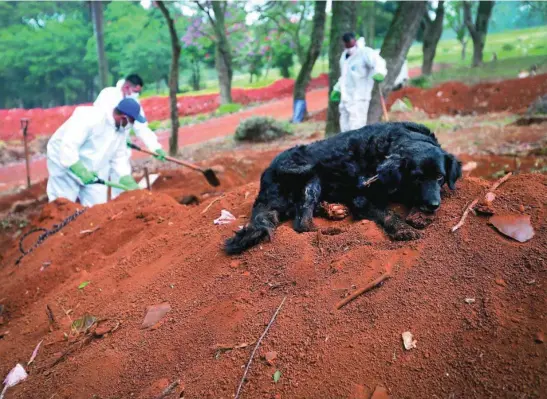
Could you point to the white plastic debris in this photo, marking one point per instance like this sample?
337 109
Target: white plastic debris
153 177
469 301
408 340
34 353
15 376
225 218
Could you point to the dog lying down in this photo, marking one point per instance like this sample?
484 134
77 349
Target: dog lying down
409 162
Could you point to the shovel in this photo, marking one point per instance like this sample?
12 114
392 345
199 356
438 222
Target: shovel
209 174
111 184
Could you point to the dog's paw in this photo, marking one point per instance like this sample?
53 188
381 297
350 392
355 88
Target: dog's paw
406 234
419 220
334 211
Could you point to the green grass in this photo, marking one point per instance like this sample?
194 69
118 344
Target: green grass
227 109
513 44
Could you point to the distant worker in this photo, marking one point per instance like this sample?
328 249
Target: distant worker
88 146
360 66
109 97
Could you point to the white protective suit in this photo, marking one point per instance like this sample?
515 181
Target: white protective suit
107 100
356 83
90 136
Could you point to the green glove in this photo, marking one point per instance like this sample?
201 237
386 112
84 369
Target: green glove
128 142
129 182
378 77
83 174
335 96
160 155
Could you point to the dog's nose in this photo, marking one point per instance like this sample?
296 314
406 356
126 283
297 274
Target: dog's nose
433 206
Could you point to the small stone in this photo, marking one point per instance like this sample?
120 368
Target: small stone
540 337
469 301
521 207
270 357
501 282
235 264
380 393
408 340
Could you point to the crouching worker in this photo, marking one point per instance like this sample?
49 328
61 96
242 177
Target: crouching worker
89 145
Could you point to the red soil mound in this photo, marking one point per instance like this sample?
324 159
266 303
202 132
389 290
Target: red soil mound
453 98
149 250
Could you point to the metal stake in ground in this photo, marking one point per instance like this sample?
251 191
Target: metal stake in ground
24 128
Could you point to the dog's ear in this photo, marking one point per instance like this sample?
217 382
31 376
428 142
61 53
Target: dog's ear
390 171
453 170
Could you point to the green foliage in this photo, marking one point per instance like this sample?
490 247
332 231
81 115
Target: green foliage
154 125
225 109
422 81
261 129
508 47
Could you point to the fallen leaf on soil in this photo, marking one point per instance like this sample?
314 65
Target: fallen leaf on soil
105 328
517 227
228 347
225 218
154 314
277 376
83 285
501 282
540 337
380 393
270 357
34 353
408 340
83 324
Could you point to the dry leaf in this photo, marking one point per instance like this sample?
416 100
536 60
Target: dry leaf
517 227
270 357
154 314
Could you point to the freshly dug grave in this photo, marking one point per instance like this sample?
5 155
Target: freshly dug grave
456 98
148 249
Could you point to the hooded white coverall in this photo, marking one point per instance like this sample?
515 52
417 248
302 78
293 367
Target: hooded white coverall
90 136
107 100
356 83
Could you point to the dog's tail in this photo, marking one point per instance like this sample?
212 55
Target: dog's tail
263 223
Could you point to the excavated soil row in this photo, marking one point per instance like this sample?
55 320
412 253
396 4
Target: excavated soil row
150 249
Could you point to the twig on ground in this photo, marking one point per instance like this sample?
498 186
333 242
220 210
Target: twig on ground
476 201
50 318
169 389
370 181
256 347
211 204
361 291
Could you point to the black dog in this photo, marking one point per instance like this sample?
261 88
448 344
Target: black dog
409 162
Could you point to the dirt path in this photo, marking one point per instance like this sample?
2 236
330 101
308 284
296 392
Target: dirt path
15 174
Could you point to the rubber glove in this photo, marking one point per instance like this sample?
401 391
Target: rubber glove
129 182
128 142
160 155
82 173
335 96
378 77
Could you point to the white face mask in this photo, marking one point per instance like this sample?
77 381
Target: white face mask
134 96
352 50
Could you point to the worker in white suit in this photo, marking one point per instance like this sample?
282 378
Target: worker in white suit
360 67
86 147
109 97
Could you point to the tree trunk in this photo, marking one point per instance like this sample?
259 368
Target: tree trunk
464 47
317 36
173 79
371 24
344 19
223 55
98 28
479 29
397 42
432 35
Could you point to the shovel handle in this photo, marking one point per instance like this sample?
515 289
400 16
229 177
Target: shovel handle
187 164
111 184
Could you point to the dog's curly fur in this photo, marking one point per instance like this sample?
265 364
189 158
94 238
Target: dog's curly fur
407 157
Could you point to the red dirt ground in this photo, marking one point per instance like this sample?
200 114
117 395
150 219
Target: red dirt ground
453 98
149 250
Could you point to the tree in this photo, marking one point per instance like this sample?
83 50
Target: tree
215 12
432 34
173 79
399 38
479 29
454 19
98 28
317 36
344 19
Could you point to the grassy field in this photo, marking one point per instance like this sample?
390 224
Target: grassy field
516 50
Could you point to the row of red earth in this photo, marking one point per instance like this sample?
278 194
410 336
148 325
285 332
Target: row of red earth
45 121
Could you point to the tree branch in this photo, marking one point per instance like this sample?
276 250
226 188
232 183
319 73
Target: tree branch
468 19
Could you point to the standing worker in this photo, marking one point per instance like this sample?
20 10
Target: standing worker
130 87
86 147
360 67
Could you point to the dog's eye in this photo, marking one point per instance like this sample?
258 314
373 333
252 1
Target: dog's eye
440 177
